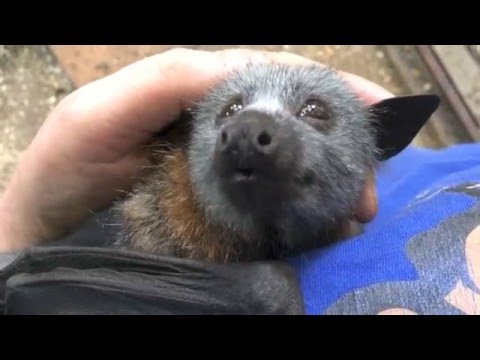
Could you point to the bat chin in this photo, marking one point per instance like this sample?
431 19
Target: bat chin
253 194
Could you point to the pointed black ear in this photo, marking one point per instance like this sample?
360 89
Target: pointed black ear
398 120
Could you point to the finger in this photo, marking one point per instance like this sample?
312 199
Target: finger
288 58
368 91
368 204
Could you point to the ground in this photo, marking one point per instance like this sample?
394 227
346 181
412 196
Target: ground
32 82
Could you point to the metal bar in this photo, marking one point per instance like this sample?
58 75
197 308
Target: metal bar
451 92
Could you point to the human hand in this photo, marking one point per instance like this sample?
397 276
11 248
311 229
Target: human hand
91 148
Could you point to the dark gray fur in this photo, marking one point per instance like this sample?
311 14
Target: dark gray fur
337 155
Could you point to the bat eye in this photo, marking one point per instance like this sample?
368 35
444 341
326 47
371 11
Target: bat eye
314 109
233 107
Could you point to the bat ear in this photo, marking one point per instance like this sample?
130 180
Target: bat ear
398 120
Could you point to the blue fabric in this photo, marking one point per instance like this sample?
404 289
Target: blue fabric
413 199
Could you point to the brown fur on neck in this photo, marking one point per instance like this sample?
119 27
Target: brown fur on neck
162 216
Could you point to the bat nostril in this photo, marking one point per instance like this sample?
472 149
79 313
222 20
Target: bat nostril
264 139
224 137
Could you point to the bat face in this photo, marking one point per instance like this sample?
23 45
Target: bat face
290 143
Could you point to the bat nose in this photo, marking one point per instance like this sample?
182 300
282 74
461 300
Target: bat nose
254 146
251 134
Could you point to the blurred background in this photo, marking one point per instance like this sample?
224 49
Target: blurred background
33 79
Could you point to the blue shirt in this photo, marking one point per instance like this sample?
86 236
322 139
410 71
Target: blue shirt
412 256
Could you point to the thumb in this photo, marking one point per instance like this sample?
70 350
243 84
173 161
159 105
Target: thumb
367 206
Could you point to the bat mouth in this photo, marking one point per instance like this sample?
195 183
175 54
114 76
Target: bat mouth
244 175
252 191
